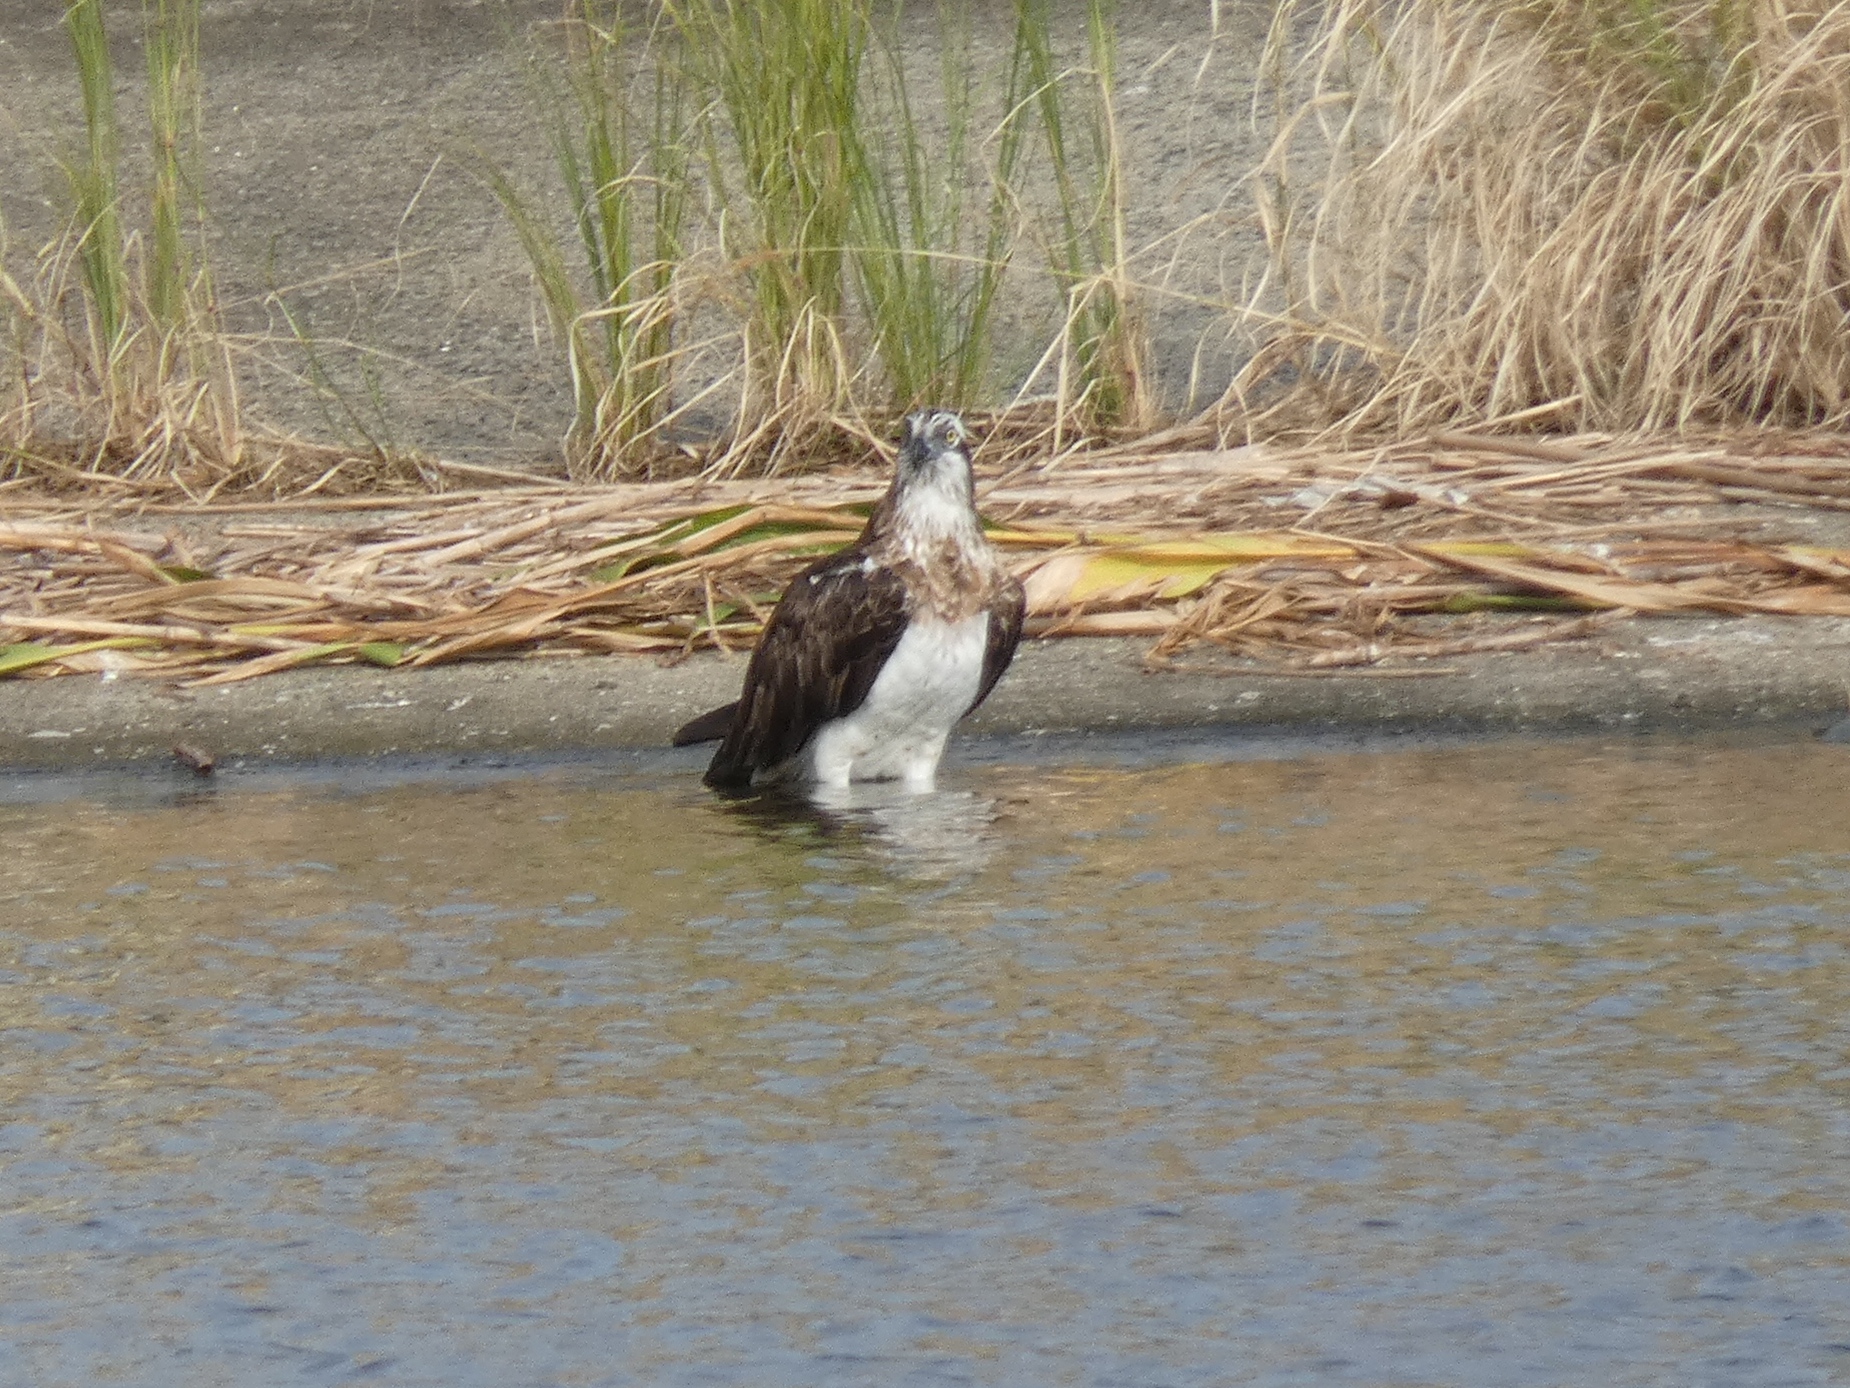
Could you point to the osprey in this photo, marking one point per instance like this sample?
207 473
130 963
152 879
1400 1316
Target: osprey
875 652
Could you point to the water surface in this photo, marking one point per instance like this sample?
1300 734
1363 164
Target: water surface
1505 1064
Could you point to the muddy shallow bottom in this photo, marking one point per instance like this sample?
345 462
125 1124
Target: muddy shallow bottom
1465 1065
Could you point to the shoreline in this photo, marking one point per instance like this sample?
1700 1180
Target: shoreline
1643 674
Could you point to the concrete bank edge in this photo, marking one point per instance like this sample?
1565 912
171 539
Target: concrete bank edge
1701 673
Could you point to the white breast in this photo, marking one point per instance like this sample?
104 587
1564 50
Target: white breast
926 685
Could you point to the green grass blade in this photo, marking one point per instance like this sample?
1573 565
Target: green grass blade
94 180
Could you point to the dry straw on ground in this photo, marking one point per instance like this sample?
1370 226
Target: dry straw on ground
1307 560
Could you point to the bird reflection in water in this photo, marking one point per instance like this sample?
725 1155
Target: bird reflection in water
937 836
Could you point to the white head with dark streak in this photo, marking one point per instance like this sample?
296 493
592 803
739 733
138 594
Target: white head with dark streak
931 453
934 491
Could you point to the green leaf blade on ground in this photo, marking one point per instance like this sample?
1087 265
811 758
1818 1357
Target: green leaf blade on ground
25 655
385 653
1513 602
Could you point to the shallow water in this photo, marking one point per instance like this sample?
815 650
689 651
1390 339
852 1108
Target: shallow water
1472 1065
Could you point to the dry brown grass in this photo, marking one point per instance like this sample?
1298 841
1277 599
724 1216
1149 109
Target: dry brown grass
1568 214
156 412
1305 559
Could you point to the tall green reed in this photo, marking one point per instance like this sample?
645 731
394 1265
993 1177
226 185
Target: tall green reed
101 250
1104 376
619 132
131 346
782 133
166 271
178 278
927 267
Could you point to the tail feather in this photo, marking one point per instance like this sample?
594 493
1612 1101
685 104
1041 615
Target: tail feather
728 771
711 726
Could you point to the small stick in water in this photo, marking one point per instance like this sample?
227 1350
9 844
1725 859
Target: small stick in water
200 760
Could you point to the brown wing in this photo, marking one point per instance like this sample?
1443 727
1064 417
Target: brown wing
834 628
1006 612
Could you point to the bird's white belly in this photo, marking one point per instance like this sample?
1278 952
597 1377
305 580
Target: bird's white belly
926 685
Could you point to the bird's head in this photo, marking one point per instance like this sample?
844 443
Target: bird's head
932 453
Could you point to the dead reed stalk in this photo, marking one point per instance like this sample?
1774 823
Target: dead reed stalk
1303 560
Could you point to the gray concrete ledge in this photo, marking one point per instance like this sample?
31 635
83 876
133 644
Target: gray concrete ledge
1691 673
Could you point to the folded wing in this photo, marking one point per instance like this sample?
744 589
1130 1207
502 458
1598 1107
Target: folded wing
821 652
1007 610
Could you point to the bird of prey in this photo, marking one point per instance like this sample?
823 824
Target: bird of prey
874 653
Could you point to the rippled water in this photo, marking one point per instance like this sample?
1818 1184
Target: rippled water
1475 1065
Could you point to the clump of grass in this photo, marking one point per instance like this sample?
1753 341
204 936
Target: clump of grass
1102 353
120 371
1605 215
927 265
781 128
123 370
861 248
179 279
620 141
853 222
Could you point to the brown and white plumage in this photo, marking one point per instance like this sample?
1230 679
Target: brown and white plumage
875 652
